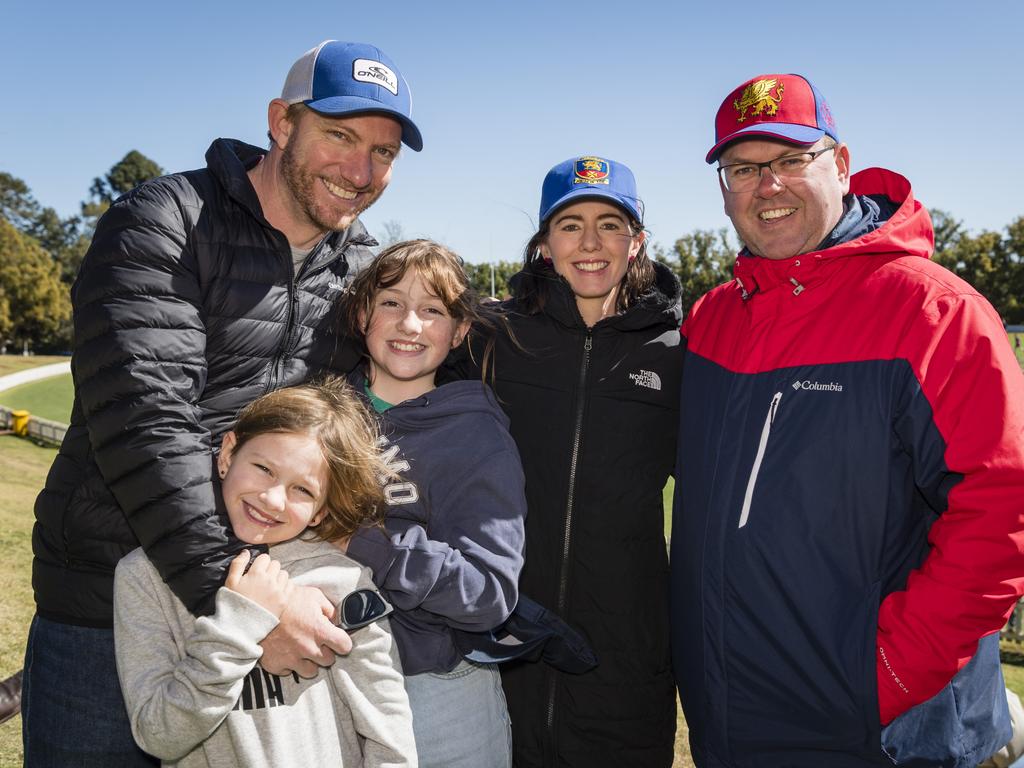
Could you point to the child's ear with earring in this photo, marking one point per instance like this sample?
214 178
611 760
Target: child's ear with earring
227 447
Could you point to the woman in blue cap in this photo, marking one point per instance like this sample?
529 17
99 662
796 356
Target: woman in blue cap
590 380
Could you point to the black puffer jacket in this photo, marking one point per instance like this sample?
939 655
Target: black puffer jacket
185 309
595 414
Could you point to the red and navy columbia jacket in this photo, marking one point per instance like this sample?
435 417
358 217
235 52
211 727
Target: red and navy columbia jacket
847 531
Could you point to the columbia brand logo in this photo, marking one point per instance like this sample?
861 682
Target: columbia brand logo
336 285
817 386
370 71
648 379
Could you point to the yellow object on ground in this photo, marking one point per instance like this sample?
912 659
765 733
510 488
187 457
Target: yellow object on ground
20 422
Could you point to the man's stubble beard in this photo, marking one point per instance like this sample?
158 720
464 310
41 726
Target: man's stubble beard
300 184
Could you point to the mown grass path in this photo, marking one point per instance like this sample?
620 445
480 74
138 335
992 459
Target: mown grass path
15 363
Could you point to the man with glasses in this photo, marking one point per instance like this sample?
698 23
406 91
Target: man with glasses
847 535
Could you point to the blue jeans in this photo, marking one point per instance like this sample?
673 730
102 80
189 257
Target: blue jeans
71 705
459 718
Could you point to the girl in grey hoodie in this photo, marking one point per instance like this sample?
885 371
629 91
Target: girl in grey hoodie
300 471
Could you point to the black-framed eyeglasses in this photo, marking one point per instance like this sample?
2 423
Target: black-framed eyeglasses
362 607
742 177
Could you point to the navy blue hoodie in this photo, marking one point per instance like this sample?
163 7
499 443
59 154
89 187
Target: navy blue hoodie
453 548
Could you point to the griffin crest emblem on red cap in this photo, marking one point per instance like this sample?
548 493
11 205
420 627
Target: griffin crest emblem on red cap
758 98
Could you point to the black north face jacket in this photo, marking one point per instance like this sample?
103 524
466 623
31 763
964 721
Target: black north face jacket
594 413
186 308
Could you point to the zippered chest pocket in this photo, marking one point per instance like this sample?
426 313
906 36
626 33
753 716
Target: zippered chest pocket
755 469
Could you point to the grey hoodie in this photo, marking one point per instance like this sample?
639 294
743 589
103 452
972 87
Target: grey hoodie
195 696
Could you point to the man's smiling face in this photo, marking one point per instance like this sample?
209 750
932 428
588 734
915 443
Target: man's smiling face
779 219
336 167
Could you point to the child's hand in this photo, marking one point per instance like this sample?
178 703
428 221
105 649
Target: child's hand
264 583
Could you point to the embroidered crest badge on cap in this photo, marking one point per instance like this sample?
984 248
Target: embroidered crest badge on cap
591 170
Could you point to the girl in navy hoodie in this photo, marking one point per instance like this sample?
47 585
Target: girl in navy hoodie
451 550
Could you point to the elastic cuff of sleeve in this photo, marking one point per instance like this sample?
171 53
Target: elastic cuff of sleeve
244 615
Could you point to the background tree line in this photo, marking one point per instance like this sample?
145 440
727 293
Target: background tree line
40 253
992 262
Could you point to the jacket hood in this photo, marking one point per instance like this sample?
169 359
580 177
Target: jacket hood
661 303
439 405
906 231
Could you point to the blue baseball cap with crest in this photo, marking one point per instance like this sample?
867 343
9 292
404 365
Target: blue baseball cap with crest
337 78
589 177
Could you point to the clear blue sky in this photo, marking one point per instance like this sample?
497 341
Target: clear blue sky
503 91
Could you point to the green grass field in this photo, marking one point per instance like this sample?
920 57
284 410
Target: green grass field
23 467
47 398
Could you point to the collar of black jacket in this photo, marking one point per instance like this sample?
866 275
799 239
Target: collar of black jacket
230 160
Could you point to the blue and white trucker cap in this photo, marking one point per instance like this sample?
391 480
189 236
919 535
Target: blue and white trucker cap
337 78
589 176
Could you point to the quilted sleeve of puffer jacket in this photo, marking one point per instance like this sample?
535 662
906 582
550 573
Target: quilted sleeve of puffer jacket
139 367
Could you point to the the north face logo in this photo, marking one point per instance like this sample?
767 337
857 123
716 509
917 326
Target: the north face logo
648 379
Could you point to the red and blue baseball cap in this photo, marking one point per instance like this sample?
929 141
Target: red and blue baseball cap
337 78
785 107
586 177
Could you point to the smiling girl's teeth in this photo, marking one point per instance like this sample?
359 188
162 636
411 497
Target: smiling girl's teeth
334 189
590 266
776 213
406 347
259 516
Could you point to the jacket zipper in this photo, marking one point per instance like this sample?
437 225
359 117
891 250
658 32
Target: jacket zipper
563 583
289 329
754 470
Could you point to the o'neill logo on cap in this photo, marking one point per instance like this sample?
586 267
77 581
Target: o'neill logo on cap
758 98
370 71
591 170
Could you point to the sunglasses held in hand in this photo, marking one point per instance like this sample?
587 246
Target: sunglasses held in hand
362 607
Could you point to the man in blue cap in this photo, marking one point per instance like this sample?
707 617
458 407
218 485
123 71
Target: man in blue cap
201 290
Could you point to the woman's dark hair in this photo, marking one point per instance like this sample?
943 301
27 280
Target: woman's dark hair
539 274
